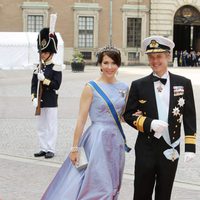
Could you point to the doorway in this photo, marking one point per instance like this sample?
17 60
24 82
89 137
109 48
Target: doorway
187 29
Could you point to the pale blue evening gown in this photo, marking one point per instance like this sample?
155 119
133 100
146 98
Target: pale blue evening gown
104 147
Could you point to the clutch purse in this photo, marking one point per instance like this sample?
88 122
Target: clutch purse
82 159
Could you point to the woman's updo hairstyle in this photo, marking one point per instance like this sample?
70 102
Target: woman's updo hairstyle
111 52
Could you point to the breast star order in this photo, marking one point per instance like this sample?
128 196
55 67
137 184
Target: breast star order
181 102
176 111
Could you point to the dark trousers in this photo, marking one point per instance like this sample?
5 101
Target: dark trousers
153 169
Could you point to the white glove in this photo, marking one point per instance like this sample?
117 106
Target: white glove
35 102
158 126
41 76
157 135
189 156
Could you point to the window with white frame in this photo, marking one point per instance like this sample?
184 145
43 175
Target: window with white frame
85 31
35 15
134 32
35 23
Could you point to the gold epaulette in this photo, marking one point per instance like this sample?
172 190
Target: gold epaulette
190 139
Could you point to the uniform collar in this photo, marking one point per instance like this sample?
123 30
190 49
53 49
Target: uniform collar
165 75
48 62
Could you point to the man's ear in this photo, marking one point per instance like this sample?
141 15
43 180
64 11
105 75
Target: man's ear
169 56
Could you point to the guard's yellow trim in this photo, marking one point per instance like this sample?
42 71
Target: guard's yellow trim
190 139
46 82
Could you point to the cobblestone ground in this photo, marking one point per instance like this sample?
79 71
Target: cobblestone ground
24 177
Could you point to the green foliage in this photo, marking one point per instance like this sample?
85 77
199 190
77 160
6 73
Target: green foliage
77 57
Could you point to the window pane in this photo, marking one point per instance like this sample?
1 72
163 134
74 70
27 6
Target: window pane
35 23
87 55
81 40
86 31
134 32
133 56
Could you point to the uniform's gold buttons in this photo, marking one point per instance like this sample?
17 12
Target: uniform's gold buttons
174 132
176 126
148 137
173 138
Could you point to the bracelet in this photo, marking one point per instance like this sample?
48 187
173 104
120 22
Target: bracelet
74 149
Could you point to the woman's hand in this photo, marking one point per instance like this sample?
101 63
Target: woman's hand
122 119
138 113
74 157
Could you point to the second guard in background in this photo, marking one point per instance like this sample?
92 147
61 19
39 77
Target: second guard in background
50 77
165 100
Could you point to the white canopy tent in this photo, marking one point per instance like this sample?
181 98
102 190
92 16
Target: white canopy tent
18 50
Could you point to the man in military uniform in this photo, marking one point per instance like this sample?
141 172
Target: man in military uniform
164 100
50 77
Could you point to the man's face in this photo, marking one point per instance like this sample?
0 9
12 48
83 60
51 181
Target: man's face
159 62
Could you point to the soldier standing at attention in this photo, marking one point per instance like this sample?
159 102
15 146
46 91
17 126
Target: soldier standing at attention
50 77
165 101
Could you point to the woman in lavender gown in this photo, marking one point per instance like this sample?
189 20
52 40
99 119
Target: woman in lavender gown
102 141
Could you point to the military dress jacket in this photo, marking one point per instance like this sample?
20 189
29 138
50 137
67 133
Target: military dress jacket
50 85
181 108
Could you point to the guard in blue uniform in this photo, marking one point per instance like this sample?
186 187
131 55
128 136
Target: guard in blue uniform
50 77
165 100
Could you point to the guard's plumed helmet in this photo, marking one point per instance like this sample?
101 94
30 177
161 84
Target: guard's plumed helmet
47 42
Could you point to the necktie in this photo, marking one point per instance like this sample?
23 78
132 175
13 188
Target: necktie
162 80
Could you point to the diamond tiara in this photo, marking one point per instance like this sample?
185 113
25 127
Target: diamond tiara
108 48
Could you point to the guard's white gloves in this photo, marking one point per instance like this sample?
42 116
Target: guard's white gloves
35 102
189 156
41 76
158 126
